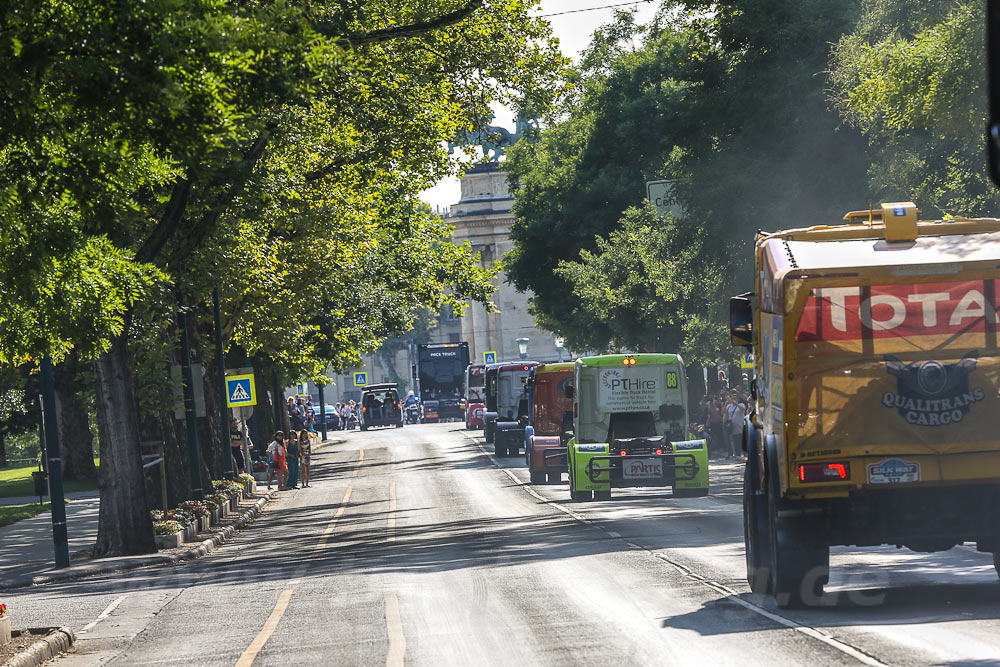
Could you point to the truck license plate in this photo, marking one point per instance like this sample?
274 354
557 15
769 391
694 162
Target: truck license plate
642 468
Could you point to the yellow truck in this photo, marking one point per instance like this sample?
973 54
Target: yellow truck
876 415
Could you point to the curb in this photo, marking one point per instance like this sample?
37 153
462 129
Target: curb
44 649
205 547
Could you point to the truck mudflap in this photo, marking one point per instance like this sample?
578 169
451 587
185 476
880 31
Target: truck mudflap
542 446
699 450
580 456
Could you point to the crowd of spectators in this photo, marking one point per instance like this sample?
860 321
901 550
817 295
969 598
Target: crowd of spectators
303 415
721 417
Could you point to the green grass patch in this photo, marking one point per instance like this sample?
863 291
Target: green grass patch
14 513
16 482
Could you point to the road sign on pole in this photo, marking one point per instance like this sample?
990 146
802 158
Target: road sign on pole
360 379
240 391
661 195
489 357
746 361
302 389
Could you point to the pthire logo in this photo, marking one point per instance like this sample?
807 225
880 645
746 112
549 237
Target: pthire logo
932 393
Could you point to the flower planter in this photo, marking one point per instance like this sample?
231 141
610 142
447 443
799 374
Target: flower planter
191 532
223 511
204 523
169 541
5 630
216 515
234 504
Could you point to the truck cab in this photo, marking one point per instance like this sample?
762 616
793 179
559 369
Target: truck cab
877 376
474 396
550 421
507 405
631 427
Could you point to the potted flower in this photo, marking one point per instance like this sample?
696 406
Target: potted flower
168 534
199 510
4 625
213 507
249 484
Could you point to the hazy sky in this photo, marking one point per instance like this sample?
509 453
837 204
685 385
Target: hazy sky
573 31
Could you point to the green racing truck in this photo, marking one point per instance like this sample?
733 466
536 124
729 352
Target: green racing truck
631 427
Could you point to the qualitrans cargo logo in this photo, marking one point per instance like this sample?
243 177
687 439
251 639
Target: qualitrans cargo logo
932 393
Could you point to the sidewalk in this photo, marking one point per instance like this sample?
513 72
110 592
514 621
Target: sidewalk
26 550
30 500
26 546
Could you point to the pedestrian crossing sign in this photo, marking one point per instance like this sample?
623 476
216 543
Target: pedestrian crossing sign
746 361
360 379
302 389
489 357
240 391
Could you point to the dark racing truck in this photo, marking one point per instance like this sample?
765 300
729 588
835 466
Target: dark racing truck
441 373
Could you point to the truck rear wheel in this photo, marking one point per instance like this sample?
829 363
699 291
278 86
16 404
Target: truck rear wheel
538 478
801 558
578 496
996 561
555 477
602 495
690 493
755 537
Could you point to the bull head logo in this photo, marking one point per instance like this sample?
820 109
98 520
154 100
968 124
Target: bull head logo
932 393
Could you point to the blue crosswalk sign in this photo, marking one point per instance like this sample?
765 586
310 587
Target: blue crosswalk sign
489 357
360 379
240 391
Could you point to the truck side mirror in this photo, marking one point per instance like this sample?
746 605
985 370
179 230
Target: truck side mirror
570 391
741 320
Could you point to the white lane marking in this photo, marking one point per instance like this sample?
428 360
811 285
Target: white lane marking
394 628
730 594
733 596
104 614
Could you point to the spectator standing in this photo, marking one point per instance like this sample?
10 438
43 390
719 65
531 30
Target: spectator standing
275 450
292 460
305 457
236 444
718 438
734 420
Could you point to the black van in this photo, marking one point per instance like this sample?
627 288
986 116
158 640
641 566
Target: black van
380 406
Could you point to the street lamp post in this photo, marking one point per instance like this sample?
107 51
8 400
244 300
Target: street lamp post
522 347
560 346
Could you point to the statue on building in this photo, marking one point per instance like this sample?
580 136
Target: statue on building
493 139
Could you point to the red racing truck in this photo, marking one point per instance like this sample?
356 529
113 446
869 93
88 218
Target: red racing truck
550 424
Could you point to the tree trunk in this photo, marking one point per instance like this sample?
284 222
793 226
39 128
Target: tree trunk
75 439
208 426
123 526
264 410
3 451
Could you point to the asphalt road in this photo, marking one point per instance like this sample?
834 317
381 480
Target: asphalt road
415 546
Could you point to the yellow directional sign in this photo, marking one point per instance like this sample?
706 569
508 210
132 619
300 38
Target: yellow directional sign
240 391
